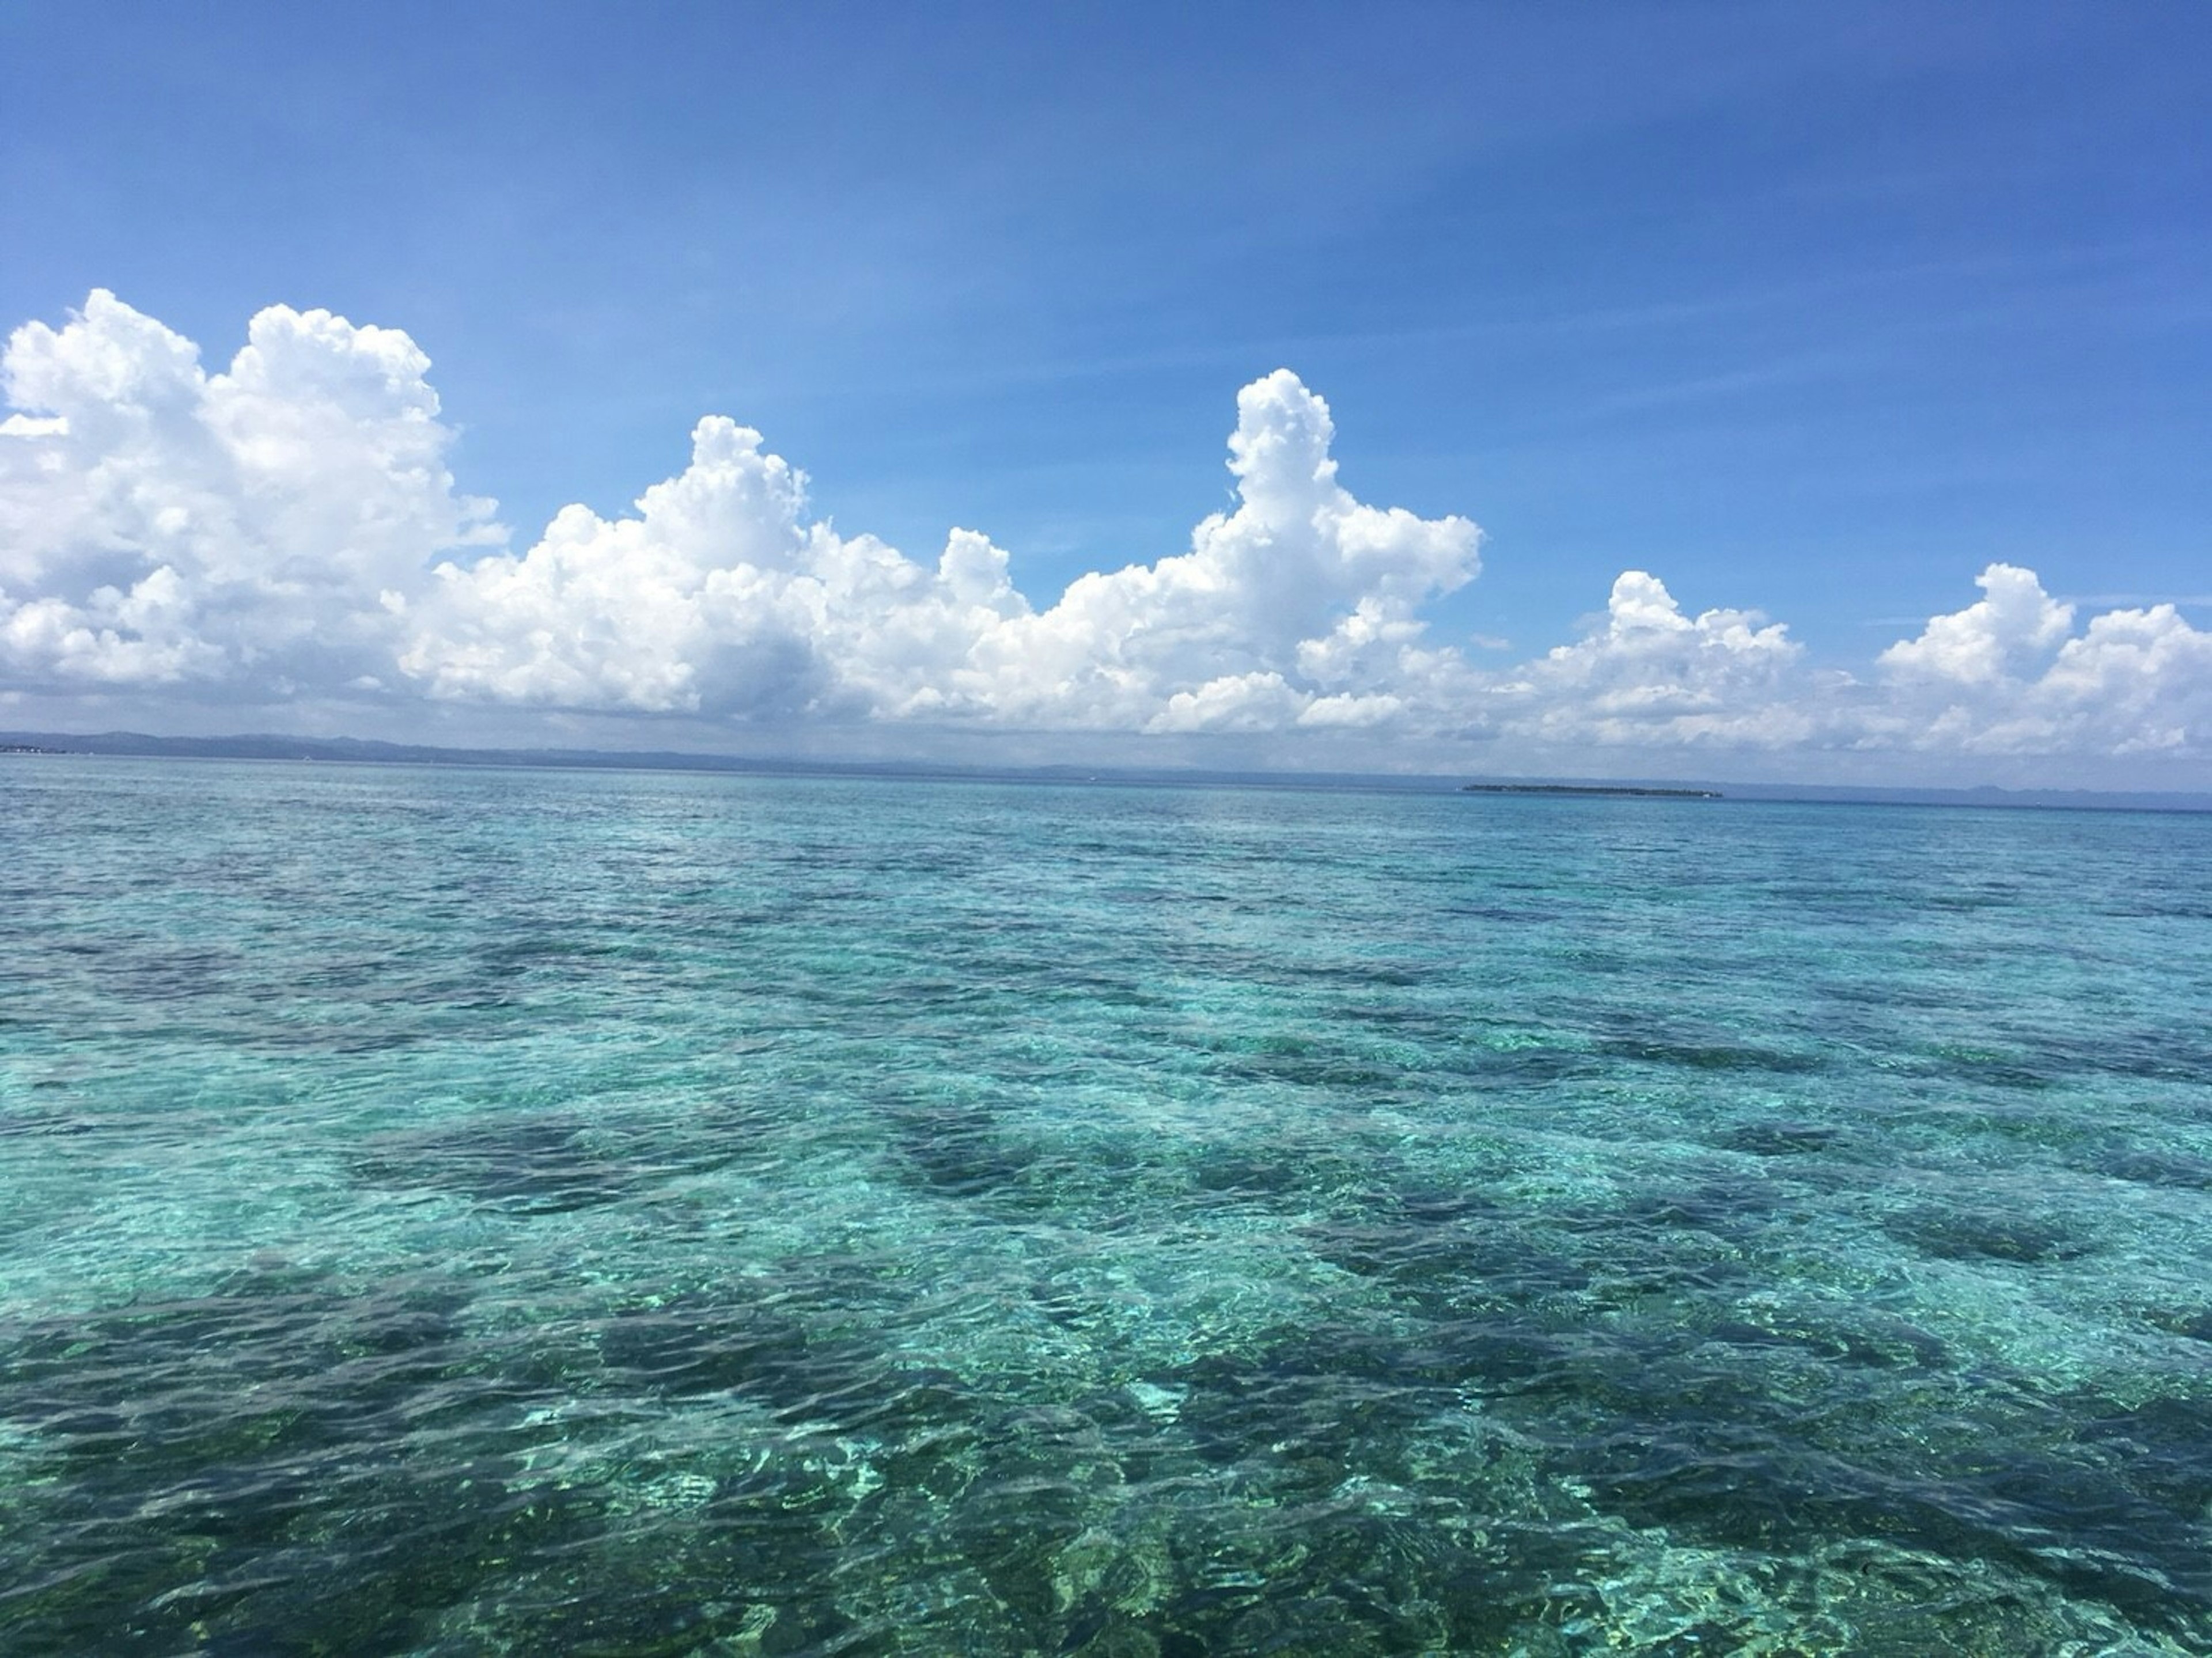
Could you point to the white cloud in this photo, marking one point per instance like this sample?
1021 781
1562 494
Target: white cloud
288 528
2014 626
1649 675
2138 680
1234 702
718 597
2007 676
158 524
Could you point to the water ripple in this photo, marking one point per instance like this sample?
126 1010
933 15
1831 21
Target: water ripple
459 1212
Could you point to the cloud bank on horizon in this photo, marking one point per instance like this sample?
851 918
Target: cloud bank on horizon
288 528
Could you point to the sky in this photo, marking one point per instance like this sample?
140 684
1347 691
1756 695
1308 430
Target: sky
1828 385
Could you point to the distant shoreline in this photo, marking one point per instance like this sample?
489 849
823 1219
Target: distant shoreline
293 750
1590 788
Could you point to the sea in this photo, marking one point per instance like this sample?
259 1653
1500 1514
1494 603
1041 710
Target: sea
460 1211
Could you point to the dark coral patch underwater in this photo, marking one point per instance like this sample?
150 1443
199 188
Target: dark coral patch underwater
448 1213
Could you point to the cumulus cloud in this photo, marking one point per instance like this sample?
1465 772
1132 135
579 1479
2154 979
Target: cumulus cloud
1650 675
2016 625
2008 674
718 597
288 526
158 524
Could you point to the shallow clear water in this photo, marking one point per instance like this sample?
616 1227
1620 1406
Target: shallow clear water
449 1212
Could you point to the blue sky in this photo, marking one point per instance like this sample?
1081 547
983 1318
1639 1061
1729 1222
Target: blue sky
1815 311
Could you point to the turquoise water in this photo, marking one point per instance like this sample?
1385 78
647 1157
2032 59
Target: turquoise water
450 1212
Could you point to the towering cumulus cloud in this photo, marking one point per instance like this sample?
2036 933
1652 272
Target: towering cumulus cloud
717 596
288 528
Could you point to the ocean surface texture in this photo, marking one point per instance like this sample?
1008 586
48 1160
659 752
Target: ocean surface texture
450 1212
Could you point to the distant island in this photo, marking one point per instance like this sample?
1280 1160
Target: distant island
1590 788
28 747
